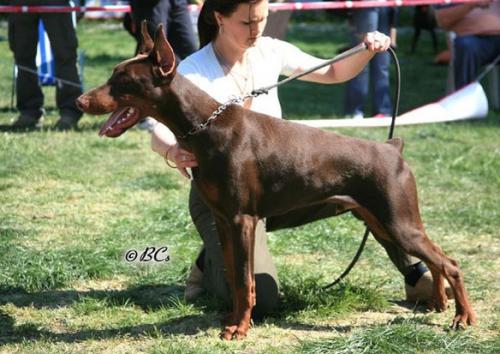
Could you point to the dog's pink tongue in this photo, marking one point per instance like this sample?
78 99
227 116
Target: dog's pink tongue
107 128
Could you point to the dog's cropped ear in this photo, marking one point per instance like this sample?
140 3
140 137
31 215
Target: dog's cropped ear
162 54
147 43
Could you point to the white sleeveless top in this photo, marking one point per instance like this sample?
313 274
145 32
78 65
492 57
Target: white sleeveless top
268 59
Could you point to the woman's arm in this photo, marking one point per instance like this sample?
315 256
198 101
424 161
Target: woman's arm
447 17
348 68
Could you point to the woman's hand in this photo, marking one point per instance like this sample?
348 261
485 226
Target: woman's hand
377 42
164 143
183 159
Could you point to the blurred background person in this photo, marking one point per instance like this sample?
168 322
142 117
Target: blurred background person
23 40
176 20
477 42
376 72
172 14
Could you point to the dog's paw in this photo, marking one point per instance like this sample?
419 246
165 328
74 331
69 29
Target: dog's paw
240 334
234 333
228 332
461 321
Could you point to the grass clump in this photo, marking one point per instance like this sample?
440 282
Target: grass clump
303 293
401 336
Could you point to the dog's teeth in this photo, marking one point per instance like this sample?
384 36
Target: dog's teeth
130 111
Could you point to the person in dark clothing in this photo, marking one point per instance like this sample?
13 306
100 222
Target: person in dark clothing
23 39
172 14
175 18
377 72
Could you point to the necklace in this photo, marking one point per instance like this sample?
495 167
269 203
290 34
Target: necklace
244 82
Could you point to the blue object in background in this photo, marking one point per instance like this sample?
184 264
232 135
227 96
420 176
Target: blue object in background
45 58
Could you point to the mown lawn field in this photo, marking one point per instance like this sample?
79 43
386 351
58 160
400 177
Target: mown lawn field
72 204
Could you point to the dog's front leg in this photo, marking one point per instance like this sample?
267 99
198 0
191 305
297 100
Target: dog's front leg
225 236
243 243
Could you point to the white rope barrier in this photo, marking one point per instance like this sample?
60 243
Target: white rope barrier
469 102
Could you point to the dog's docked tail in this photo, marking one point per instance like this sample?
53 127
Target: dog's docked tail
398 143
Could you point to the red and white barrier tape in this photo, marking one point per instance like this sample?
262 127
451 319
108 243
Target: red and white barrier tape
53 9
360 4
297 6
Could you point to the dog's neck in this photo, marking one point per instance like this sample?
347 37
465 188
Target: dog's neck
184 106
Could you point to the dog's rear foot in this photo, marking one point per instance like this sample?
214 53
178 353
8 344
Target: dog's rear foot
228 332
234 332
462 320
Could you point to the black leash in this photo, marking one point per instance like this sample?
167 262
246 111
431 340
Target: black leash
391 133
357 49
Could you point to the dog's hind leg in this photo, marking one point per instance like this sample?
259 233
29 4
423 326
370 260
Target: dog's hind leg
407 229
439 297
397 216
409 234
418 244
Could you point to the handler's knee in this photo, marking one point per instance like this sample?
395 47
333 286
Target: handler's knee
267 294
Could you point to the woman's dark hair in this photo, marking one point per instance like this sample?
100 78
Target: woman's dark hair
207 24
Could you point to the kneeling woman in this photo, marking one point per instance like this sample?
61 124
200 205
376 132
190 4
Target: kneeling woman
233 60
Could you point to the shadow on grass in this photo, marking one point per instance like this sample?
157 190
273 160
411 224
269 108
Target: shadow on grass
154 297
147 297
187 325
418 307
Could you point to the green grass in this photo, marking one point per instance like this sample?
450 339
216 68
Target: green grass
403 336
72 204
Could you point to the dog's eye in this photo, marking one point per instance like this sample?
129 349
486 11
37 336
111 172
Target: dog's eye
122 85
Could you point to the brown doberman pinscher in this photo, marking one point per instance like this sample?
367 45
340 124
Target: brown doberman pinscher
252 166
